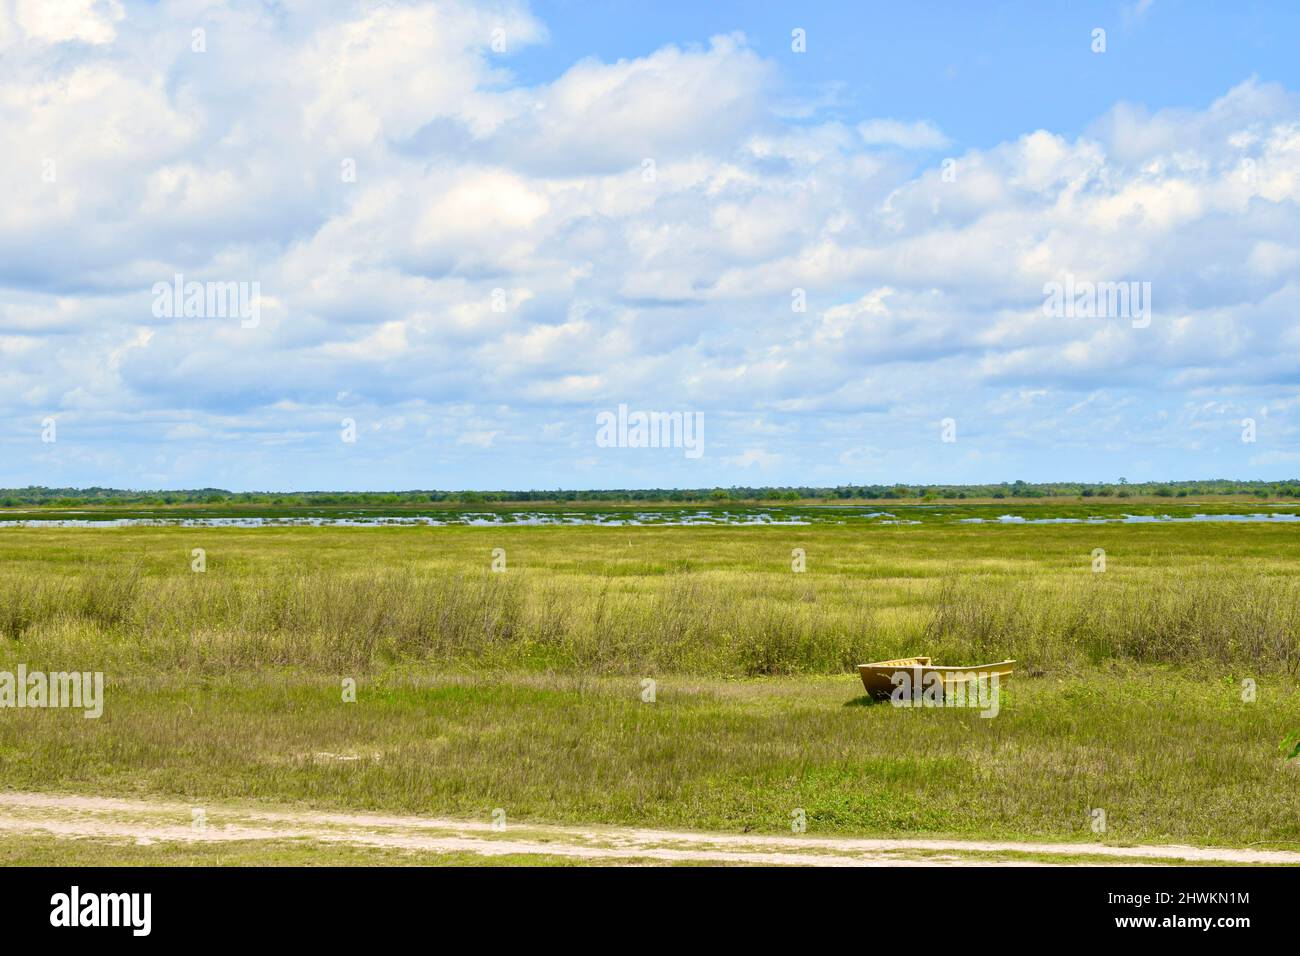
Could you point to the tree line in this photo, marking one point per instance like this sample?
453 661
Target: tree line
74 497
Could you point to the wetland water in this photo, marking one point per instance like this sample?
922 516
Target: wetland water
793 515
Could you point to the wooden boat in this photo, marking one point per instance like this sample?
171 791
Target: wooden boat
878 678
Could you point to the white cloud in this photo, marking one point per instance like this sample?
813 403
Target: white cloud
752 457
480 439
919 134
61 21
607 117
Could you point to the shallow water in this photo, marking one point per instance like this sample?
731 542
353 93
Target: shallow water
492 519
1271 518
707 517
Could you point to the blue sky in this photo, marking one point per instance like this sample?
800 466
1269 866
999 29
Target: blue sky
983 72
469 229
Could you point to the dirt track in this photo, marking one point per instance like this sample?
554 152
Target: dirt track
142 822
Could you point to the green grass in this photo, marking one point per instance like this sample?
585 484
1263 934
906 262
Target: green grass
1169 758
709 601
522 690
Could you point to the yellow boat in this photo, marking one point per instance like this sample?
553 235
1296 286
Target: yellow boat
878 678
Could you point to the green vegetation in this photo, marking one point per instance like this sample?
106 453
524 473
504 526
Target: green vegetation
523 689
1069 510
1119 490
1170 757
717 601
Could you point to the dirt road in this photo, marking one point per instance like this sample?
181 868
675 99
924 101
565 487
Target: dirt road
147 821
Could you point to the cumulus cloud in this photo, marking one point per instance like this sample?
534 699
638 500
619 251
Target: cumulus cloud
85 21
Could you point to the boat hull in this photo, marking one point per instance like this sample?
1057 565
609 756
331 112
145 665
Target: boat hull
879 680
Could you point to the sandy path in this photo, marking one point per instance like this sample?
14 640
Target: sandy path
147 821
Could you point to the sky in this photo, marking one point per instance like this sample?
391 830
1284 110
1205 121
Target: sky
430 244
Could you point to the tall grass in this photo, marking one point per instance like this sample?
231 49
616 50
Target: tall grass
1250 619
724 623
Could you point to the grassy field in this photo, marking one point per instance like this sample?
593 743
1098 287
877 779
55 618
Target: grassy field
523 690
